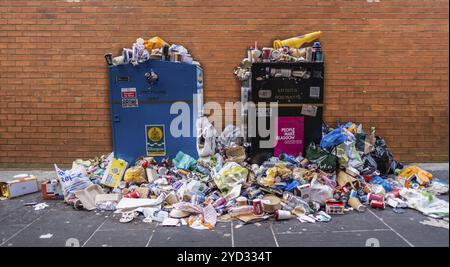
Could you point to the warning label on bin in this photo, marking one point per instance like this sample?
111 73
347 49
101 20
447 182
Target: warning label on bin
156 140
128 93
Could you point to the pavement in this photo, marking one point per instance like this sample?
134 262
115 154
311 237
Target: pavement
60 225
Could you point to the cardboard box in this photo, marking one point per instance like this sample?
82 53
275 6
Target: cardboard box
114 172
22 185
51 190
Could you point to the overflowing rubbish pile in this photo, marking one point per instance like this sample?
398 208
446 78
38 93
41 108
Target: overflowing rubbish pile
296 49
152 49
349 171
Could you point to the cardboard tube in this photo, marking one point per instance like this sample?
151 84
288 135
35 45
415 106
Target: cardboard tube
356 204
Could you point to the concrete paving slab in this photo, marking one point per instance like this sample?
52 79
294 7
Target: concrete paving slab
349 221
408 225
113 224
187 237
125 238
385 238
62 225
254 235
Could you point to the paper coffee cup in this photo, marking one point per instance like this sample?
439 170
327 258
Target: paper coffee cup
241 201
282 215
171 198
356 204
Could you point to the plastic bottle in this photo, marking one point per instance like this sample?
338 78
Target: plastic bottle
297 42
317 55
372 138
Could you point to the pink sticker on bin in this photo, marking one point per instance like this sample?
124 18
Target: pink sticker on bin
290 136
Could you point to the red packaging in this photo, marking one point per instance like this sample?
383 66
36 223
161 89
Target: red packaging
257 207
396 193
377 204
266 54
220 202
367 178
132 195
371 197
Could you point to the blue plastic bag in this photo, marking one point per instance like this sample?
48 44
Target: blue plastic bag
380 181
333 138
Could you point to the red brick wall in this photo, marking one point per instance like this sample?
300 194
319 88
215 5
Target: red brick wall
386 65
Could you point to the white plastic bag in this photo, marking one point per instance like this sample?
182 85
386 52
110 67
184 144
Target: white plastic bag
206 138
425 202
320 193
230 136
73 179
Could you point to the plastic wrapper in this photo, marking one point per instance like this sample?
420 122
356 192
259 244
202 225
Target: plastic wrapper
425 202
231 175
135 174
184 161
348 155
73 180
320 193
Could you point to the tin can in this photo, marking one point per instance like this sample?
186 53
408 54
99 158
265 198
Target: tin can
371 197
257 207
198 199
377 204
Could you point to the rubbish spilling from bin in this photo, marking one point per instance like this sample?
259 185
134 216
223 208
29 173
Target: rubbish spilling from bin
223 187
349 170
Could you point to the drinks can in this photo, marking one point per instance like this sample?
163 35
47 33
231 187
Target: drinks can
257 207
220 202
353 193
198 199
377 204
